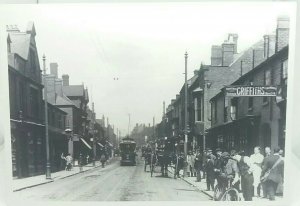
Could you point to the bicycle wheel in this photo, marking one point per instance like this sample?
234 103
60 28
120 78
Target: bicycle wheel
231 195
217 193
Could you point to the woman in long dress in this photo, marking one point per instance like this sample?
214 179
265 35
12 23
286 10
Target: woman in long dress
256 159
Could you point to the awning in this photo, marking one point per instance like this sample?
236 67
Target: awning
100 144
85 143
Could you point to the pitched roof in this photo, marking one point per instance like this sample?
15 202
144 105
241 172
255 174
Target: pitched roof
74 90
63 100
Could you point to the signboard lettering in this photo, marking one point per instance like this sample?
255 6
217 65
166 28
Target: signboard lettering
244 91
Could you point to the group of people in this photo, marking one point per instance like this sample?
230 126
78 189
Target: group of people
248 174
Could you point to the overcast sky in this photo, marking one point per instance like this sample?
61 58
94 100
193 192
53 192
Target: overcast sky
142 45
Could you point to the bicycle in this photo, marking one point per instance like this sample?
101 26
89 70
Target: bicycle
229 193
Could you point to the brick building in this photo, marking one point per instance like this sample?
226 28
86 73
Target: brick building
73 100
26 103
244 122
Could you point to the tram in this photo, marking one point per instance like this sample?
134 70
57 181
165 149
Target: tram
127 151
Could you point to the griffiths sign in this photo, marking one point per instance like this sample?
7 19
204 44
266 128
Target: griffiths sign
250 91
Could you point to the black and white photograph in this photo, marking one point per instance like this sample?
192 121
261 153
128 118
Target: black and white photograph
147 101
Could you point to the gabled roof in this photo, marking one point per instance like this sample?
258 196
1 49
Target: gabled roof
74 90
63 100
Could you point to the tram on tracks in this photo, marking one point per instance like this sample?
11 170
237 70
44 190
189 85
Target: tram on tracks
127 151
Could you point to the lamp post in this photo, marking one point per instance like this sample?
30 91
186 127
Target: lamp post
185 115
48 166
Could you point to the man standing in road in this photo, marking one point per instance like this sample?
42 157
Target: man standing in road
272 173
263 185
246 174
256 159
218 164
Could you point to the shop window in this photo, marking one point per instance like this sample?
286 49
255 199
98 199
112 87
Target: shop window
250 103
233 108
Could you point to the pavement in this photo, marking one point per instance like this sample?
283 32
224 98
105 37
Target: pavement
28 182
114 183
201 186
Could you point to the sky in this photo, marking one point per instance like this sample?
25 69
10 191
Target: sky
140 44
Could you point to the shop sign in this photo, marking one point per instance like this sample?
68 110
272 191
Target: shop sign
244 91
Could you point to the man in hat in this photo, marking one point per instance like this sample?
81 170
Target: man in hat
218 164
198 165
210 174
246 174
229 174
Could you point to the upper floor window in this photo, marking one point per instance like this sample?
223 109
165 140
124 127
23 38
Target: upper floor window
267 82
34 102
284 72
268 77
32 60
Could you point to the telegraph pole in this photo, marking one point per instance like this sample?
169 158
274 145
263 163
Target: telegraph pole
129 125
48 166
93 133
185 116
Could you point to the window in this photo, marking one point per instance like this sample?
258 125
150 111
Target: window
213 112
33 61
284 72
225 109
34 102
268 77
233 108
197 107
267 81
250 103
22 98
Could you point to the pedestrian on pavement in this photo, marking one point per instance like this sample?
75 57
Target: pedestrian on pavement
198 165
69 161
218 164
263 185
191 163
256 160
246 174
272 173
210 174
103 160
204 160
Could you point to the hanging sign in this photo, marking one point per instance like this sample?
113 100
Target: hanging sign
252 91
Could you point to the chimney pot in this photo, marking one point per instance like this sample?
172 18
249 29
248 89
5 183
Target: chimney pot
65 78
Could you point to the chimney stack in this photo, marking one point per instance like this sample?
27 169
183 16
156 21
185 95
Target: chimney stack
65 78
227 53
216 55
53 69
282 32
233 38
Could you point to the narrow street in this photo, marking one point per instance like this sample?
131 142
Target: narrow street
115 183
